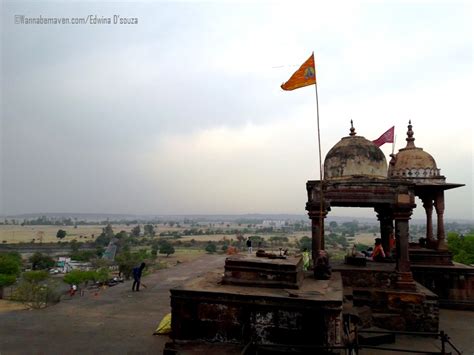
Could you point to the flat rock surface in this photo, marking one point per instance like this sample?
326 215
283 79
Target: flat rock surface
252 259
311 290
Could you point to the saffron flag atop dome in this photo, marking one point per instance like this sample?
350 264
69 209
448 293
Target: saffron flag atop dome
387 137
304 76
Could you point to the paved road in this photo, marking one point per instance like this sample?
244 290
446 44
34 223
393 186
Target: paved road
116 321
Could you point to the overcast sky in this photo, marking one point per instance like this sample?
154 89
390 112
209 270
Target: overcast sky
183 113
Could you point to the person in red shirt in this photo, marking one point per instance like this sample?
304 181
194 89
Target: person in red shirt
378 253
392 244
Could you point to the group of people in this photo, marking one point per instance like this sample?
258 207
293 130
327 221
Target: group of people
377 253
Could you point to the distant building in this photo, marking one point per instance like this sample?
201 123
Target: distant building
65 265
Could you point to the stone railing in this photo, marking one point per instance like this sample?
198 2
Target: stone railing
416 173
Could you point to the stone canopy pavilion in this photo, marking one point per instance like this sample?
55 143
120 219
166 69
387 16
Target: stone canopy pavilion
356 174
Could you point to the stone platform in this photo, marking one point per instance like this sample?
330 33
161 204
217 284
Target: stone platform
207 310
374 286
373 274
250 270
424 256
454 284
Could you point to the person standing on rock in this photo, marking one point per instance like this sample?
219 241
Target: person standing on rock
137 275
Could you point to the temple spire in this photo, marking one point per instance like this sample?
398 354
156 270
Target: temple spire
410 138
353 132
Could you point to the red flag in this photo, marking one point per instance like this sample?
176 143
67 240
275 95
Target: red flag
387 137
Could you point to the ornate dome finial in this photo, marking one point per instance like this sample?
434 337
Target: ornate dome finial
410 138
353 132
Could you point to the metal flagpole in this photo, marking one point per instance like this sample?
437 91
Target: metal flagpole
320 163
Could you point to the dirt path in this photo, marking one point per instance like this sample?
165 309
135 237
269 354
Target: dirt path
116 321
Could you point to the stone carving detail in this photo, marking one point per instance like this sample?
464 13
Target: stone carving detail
416 173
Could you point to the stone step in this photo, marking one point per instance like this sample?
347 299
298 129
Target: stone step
375 338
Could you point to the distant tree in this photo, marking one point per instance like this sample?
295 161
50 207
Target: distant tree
166 248
305 243
9 270
121 235
61 234
136 231
462 247
333 224
74 246
278 241
102 240
154 250
149 230
240 239
108 231
256 239
211 248
126 262
105 237
41 262
77 277
83 255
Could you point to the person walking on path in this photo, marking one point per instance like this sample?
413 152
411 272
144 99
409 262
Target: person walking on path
249 245
137 275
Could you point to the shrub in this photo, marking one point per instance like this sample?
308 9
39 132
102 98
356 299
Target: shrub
9 270
77 277
126 262
41 262
211 248
35 291
102 275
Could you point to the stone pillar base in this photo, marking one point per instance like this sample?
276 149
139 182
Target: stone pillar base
405 281
442 245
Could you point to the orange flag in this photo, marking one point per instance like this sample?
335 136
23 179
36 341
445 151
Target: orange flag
304 76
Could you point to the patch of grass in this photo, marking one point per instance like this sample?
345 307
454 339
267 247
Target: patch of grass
179 250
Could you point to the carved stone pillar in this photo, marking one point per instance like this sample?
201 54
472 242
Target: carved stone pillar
428 206
386 228
317 231
404 275
439 206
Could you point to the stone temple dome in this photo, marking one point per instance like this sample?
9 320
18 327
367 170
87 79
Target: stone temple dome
412 162
355 157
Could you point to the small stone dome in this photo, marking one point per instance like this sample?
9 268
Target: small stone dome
353 157
412 162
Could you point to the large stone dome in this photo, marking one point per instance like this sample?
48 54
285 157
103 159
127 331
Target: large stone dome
354 157
412 162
